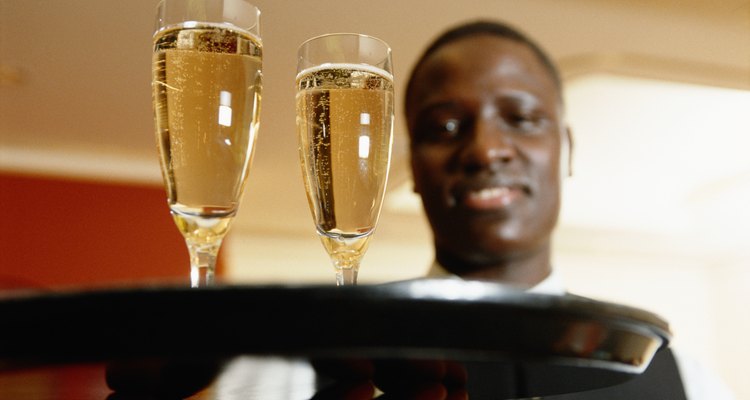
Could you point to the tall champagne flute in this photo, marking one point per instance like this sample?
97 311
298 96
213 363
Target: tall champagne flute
206 95
345 124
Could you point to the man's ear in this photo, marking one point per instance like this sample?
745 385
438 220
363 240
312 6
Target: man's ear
415 185
566 152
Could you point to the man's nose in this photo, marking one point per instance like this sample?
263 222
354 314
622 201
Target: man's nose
490 146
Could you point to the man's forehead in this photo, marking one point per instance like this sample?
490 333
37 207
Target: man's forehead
477 49
462 61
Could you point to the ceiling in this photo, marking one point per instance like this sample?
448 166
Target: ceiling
75 82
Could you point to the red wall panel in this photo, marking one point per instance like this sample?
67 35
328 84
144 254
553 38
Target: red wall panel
60 232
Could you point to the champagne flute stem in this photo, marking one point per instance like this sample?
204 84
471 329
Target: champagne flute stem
202 262
346 254
347 276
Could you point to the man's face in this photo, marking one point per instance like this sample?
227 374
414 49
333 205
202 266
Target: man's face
485 119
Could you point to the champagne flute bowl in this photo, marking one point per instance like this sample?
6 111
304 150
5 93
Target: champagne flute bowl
206 83
344 107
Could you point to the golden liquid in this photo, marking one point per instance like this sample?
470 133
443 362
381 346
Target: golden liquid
345 124
346 252
206 92
202 229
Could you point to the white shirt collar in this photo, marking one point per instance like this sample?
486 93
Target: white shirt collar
552 284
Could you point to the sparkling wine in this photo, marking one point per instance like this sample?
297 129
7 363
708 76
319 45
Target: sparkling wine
345 123
206 92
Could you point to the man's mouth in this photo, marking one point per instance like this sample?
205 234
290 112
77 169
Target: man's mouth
491 197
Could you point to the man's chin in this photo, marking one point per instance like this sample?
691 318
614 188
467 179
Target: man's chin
471 257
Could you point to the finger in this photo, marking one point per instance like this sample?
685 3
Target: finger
421 391
347 391
350 369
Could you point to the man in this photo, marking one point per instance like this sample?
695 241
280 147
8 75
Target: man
485 115
489 145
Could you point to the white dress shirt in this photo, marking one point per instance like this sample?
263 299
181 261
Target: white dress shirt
552 284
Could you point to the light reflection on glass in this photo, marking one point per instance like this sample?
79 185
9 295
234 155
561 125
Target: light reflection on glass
225 108
364 138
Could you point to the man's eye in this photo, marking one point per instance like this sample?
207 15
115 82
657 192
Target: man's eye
439 130
451 126
524 122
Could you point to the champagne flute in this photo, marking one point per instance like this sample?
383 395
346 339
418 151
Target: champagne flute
206 96
345 126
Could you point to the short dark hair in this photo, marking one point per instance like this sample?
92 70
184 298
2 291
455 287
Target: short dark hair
483 27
